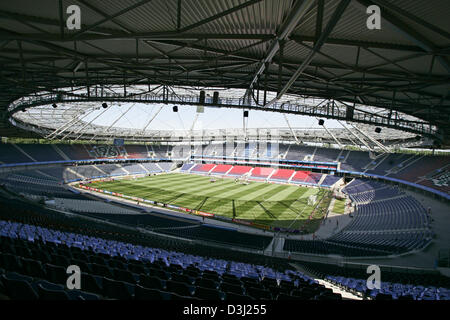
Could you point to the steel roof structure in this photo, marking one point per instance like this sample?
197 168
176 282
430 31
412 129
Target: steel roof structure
307 48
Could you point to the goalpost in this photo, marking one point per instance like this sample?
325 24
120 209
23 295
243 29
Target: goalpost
312 199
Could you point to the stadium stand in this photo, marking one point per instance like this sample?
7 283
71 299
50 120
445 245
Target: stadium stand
282 175
136 152
205 168
151 167
121 120
165 166
134 169
330 181
74 152
261 173
221 169
239 170
396 285
385 222
187 166
34 258
306 177
40 152
10 154
412 168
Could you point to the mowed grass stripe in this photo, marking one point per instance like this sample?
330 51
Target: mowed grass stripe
223 207
237 189
270 204
201 189
210 189
284 214
245 208
198 186
289 197
162 182
248 189
177 186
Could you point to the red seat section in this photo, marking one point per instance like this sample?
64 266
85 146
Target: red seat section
203 167
306 177
239 170
221 168
260 172
300 176
314 178
282 174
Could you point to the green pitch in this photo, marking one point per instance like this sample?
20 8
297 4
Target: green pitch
276 205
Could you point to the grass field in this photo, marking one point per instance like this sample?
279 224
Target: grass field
339 206
276 205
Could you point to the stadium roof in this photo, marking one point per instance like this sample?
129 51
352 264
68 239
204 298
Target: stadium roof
309 48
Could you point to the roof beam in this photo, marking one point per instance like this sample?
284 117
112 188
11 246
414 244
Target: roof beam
219 15
108 18
426 24
409 32
323 36
297 13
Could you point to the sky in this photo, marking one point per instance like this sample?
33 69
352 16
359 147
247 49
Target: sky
140 114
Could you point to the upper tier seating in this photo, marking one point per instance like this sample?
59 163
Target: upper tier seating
299 152
10 154
355 161
326 155
417 169
40 152
75 152
136 151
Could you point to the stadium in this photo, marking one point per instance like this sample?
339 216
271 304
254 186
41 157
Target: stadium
239 150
